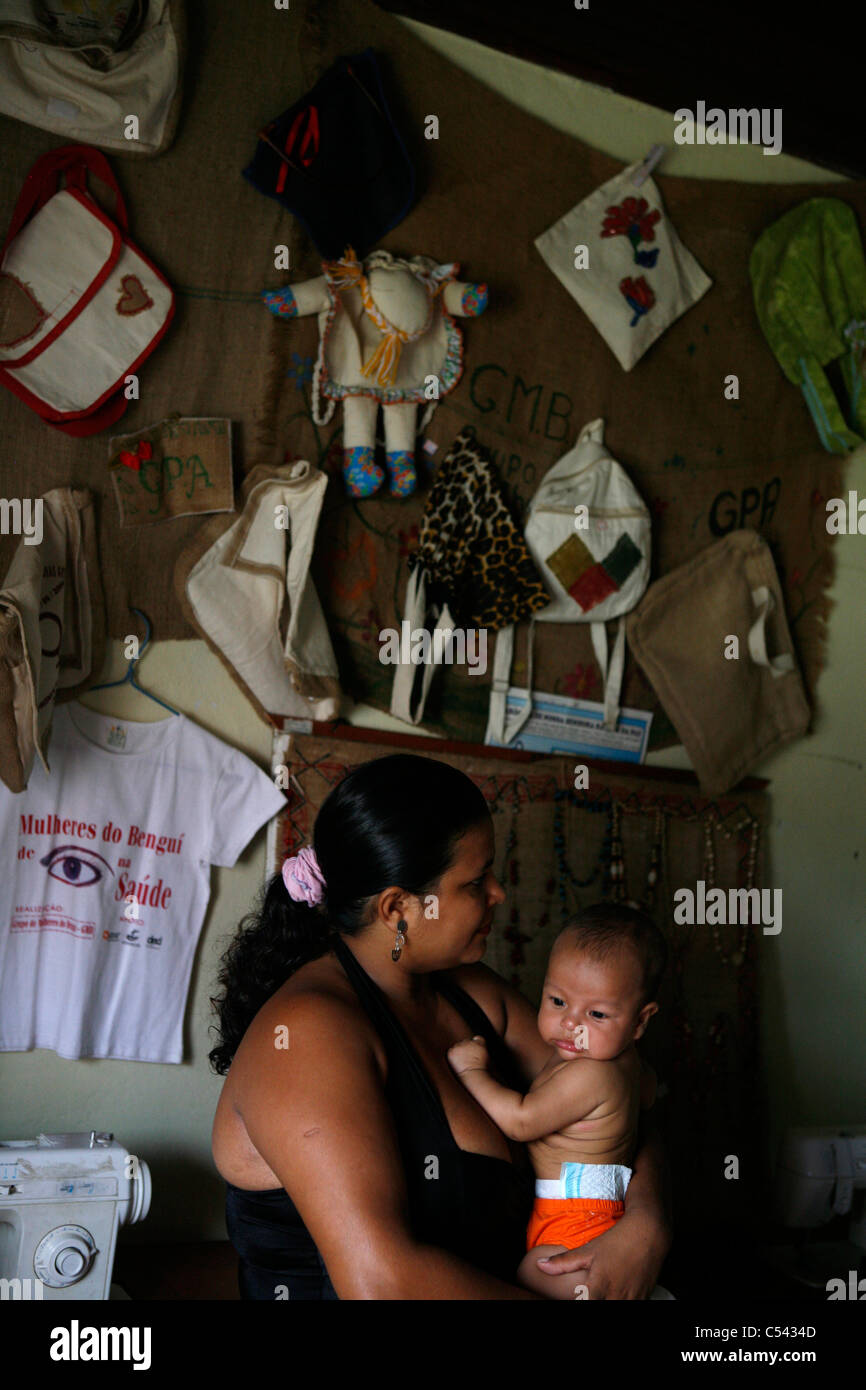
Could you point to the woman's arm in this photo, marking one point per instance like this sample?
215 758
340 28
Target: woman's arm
317 1114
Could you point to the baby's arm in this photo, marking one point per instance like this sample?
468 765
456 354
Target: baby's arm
570 1094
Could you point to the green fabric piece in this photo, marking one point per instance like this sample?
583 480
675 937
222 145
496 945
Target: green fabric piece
620 562
809 283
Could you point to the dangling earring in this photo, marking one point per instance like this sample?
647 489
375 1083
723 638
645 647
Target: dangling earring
400 942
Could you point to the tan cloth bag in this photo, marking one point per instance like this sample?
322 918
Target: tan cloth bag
52 629
245 585
729 713
86 87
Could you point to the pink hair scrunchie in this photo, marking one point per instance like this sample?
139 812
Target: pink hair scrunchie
303 878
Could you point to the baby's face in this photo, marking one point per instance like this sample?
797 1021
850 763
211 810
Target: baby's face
590 1008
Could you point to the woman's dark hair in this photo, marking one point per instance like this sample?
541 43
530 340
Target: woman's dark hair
391 822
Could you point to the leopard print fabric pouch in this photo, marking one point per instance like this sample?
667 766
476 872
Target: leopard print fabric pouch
473 553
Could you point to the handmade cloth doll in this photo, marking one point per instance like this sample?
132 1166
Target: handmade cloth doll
387 337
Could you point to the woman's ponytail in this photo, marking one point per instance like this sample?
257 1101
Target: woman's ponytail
272 943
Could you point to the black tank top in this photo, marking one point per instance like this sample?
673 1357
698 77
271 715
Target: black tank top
473 1205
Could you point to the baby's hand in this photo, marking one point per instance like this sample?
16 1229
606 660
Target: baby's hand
469 1055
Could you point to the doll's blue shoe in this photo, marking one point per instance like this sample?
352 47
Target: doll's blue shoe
362 475
401 473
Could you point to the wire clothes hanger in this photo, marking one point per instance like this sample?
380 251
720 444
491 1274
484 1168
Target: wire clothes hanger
129 678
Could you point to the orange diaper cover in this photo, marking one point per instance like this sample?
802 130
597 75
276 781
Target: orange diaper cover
570 1221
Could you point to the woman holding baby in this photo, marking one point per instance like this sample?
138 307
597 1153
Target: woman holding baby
358 1163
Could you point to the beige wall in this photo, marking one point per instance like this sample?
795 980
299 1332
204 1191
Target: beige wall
814 1023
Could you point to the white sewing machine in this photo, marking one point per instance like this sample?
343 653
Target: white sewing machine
62 1199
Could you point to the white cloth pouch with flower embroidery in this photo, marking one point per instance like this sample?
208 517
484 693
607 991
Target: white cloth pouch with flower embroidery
619 256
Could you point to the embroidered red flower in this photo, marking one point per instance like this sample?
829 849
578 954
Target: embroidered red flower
638 295
632 219
359 561
630 216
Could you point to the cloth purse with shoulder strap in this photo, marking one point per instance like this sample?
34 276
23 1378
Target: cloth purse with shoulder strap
730 711
80 306
82 70
588 531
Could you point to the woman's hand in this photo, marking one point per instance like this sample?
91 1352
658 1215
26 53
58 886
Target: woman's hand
469 1055
624 1263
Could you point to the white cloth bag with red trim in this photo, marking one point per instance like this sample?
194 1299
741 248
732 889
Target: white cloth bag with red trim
81 307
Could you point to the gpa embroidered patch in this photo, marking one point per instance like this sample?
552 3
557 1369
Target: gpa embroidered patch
178 467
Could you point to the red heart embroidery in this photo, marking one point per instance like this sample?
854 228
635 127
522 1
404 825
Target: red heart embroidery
134 298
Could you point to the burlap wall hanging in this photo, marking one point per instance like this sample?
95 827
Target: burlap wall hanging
494 180
536 370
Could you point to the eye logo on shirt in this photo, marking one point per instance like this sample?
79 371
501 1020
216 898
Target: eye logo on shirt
75 865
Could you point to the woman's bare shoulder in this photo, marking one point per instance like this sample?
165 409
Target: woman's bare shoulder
313 1027
510 1012
487 989
319 1004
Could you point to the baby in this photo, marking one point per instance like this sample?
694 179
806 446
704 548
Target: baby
580 1115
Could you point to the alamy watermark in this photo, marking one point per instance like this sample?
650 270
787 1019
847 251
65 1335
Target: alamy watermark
21 517
21 1290
735 906
77 1343
448 646
738 126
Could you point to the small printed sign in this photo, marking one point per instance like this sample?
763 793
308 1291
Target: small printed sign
561 725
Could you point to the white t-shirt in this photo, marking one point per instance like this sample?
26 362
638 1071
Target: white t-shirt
106 878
